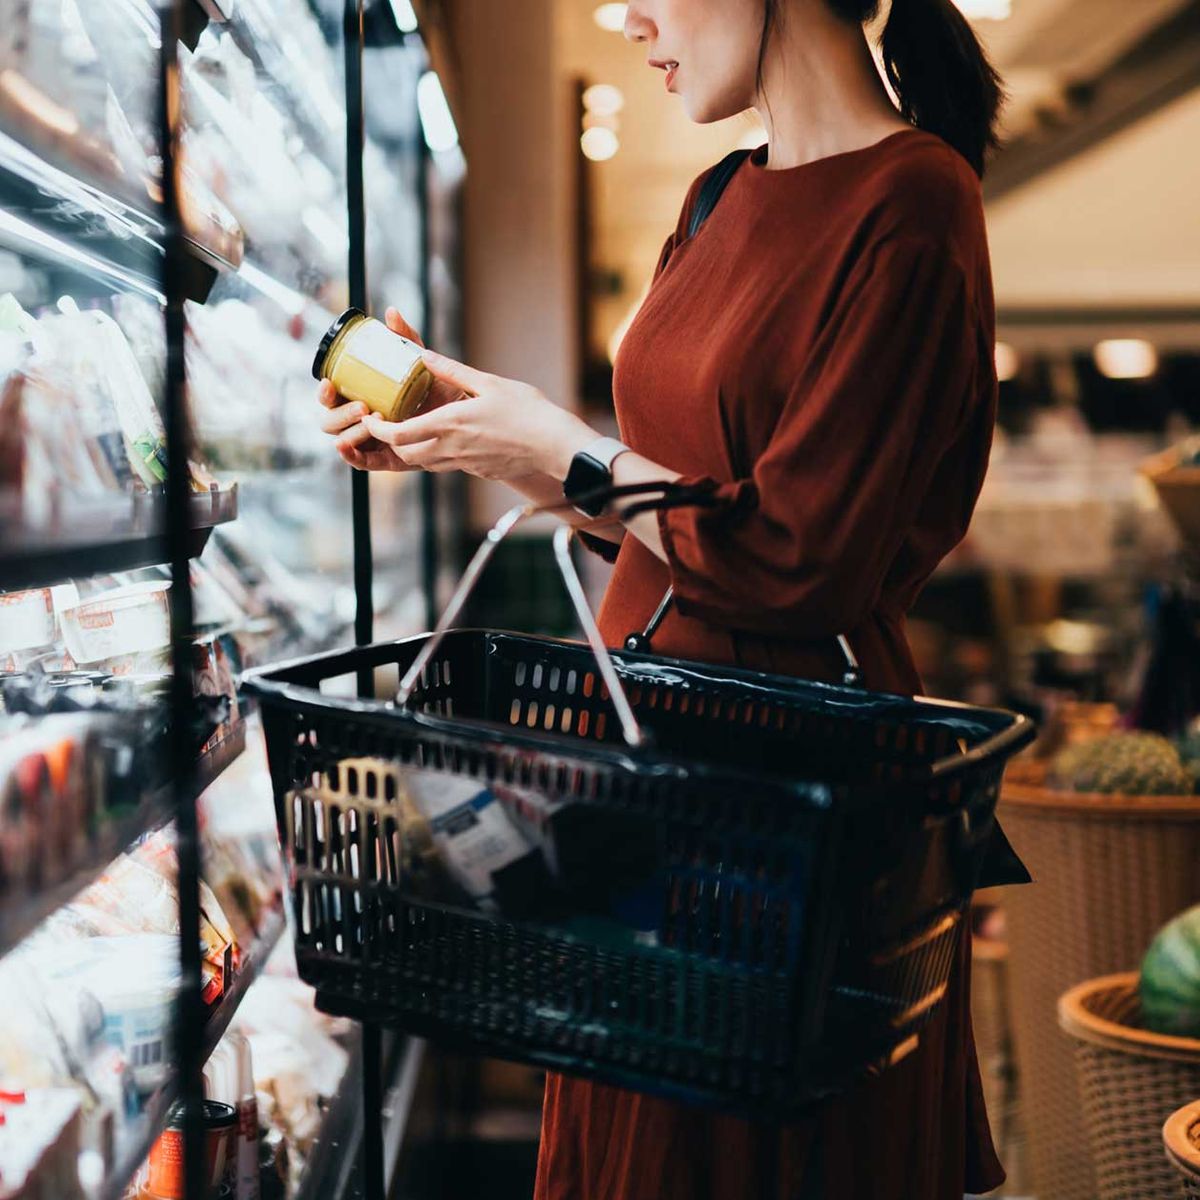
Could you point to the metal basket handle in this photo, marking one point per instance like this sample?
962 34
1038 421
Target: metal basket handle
631 730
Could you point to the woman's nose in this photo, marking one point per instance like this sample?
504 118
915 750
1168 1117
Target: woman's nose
638 26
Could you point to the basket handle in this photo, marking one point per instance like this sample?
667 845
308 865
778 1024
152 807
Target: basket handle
631 730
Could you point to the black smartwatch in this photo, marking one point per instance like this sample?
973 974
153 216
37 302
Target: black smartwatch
591 472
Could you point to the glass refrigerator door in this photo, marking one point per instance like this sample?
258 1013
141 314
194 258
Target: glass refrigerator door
265 133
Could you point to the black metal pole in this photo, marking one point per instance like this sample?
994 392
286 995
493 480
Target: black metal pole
189 1008
364 614
429 490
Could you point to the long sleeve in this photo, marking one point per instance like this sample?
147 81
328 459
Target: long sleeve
803 545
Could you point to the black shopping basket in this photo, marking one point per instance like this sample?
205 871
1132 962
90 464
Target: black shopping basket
726 887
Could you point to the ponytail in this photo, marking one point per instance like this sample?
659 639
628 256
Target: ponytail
935 65
941 75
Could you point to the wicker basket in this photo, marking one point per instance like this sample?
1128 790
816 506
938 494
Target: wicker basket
1130 1081
1181 1137
1111 870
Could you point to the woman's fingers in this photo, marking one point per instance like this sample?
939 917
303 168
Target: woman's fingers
327 394
455 373
357 435
397 324
343 417
423 428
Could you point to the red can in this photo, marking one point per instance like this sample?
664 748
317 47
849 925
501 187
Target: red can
165 1168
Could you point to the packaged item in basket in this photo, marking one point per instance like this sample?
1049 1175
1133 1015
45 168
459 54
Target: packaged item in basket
483 850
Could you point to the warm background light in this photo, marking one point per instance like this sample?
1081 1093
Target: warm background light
611 17
603 99
1008 362
1126 358
599 144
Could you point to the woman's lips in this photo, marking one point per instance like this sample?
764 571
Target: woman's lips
671 74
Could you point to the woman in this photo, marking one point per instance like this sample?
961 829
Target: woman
820 357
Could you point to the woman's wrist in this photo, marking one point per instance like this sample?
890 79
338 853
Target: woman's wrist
565 439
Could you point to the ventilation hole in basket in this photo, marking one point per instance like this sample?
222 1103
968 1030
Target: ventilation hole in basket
601 724
437 674
446 673
371 778
570 683
352 780
589 685
298 839
701 704
748 715
519 678
548 719
652 698
919 740
668 699
583 722
305 911
514 713
537 676
555 678
532 715
565 724
355 863
314 779
764 716
685 702
901 738
449 707
389 786
635 694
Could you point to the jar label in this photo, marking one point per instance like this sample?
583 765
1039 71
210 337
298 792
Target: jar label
376 346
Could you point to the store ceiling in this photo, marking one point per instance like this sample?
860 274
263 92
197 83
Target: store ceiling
1113 225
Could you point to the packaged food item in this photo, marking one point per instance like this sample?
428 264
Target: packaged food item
229 1079
27 620
125 621
370 364
164 1169
39 1145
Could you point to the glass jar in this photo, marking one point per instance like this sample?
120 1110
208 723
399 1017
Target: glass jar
370 364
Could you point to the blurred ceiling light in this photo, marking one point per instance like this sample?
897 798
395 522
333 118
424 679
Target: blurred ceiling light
599 144
604 100
986 10
1008 362
610 17
406 19
1126 358
436 121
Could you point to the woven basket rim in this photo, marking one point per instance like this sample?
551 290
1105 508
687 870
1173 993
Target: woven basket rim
1077 1020
1035 799
1181 1137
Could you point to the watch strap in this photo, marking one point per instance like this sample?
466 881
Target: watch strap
605 451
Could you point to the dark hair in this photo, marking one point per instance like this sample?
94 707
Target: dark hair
936 66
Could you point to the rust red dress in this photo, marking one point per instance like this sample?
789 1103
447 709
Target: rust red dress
821 353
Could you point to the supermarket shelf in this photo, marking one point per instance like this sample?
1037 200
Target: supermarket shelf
103 540
333 1171
18 922
52 214
132 1152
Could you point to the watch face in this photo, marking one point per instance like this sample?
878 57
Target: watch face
585 476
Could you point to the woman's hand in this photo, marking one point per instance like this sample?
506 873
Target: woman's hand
501 429
354 442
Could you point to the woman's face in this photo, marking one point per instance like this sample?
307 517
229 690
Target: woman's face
708 49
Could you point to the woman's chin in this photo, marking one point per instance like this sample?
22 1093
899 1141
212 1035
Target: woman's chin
707 110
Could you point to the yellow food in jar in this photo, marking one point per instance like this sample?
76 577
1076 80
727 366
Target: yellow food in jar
370 364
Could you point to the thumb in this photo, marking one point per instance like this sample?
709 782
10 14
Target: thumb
447 370
397 324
